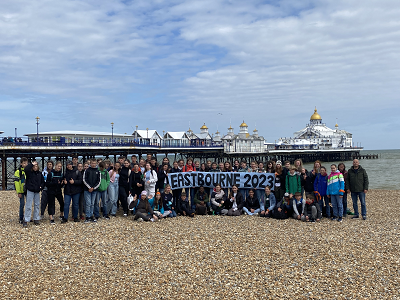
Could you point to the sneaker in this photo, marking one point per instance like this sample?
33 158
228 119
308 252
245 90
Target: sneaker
350 213
125 215
245 213
61 218
364 217
63 221
76 220
94 220
140 220
87 220
36 222
152 220
82 217
340 219
52 222
312 221
21 221
113 215
334 219
24 224
107 217
355 217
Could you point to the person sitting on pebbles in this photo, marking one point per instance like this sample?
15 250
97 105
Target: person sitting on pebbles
144 212
218 199
267 203
251 205
283 209
185 207
298 204
312 211
156 204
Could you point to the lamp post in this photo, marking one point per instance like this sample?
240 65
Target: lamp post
148 135
112 132
37 129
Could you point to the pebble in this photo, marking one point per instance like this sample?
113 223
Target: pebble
206 257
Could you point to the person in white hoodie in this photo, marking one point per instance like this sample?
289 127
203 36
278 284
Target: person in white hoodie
150 180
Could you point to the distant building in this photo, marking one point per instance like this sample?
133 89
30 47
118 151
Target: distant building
179 139
147 136
316 135
243 142
66 136
200 139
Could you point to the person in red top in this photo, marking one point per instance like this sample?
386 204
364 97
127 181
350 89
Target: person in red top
189 167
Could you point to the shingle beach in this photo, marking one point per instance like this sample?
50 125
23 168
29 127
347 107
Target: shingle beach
207 257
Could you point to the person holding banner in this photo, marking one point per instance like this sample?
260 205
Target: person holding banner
279 181
218 199
234 204
251 205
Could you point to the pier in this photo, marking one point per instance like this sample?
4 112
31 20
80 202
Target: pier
42 152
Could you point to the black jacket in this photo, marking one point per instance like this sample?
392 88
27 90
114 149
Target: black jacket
76 188
239 201
308 210
124 177
34 180
54 182
252 203
134 179
308 183
91 178
161 178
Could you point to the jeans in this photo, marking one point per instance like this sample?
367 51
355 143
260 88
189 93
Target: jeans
168 214
337 205
354 197
90 199
75 205
21 207
258 210
245 193
104 201
35 198
259 193
112 198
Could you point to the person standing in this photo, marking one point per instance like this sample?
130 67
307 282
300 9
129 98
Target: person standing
72 191
92 180
335 191
34 184
54 183
19 182
357 183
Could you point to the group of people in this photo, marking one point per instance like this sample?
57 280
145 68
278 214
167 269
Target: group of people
99 187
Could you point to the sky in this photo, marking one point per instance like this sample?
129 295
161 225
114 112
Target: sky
168 65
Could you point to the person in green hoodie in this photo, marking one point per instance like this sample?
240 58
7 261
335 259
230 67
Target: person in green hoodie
293 184
19 182
102 192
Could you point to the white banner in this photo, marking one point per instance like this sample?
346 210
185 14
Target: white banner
243 180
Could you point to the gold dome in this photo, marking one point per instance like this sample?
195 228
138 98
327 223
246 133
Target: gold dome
243 124
204 126
255 130
316 115
336 125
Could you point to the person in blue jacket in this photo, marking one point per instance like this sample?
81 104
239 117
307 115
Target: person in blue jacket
267 203
335 191
320 187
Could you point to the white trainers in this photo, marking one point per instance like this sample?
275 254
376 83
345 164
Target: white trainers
152 219
140 220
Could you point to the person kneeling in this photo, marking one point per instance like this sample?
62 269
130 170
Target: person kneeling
267 201
298 206
251 205
144 212
184 205
312 211
201 201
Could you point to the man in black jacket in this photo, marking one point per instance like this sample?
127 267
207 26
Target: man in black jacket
72 190
357 184
91 180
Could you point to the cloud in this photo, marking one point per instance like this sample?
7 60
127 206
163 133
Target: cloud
164 64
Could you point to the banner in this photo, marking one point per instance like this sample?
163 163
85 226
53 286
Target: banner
226 179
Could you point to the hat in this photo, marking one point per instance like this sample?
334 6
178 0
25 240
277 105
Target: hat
158 193
144 193
69 162
286 195
279 162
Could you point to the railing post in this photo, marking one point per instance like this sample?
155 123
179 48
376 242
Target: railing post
4 172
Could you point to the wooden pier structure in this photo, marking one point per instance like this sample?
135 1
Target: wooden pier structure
11 153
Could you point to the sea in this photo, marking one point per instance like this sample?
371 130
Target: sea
380 171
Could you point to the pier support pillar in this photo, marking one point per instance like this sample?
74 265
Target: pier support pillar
4 173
